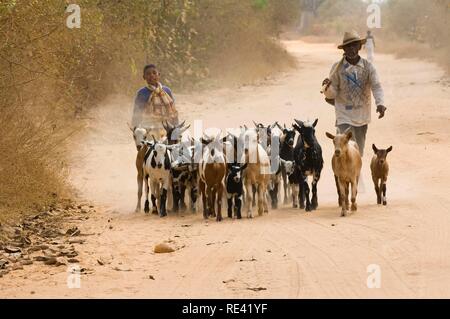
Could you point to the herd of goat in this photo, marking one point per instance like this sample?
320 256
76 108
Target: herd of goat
248 168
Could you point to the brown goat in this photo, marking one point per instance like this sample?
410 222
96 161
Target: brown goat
212 171
346 163
380 170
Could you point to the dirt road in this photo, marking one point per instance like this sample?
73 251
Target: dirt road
288 252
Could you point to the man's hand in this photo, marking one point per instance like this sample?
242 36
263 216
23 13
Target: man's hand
381 109
325 84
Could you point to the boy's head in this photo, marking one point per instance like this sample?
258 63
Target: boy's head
151 74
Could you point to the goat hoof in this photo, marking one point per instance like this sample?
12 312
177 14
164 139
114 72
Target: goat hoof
302 206
294 206
354 207
384 203
308 209
155 212
239 216
343 214
163 215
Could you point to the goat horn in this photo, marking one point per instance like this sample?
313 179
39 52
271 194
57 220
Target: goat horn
182 124
184 129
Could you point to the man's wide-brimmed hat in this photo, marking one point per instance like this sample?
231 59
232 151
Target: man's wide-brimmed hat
350 37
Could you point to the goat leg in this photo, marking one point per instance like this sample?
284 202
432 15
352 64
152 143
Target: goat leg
263 194
295 195
230 205
238 203
182 195
248 200
176 198
377 189
384 193
260 200
140 182
146 205
219 203
338 191
354 193
347 190
254 189
314 201
162 204
306 186
342 198
204 200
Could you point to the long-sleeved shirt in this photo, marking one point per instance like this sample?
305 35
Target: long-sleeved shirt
140 101
350 88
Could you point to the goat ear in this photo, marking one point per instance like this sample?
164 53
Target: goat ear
244 166
329 135
295 126
315 123
256 124
389 149
349 135
375 149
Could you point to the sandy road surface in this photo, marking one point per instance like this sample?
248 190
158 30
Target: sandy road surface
288 252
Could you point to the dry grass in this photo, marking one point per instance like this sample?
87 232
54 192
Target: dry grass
32 169
249 61
408 49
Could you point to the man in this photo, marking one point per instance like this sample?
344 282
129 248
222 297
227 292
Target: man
153 103
370 46
348 89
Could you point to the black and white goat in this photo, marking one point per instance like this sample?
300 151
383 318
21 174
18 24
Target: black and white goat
286 152
184 176
235 189
157 171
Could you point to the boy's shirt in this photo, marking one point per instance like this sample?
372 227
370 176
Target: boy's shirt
140 102
351 86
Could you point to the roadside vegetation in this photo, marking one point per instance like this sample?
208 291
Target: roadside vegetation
52 75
